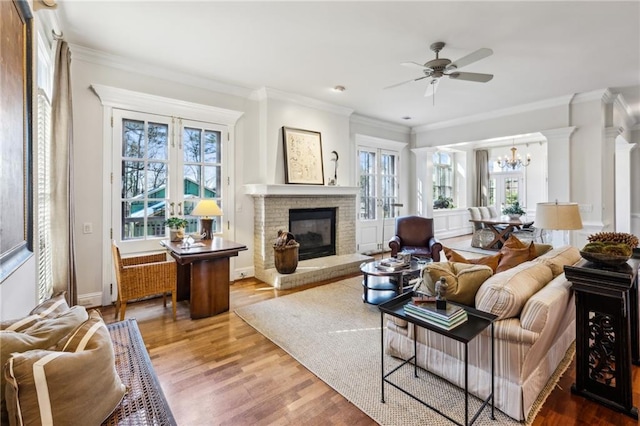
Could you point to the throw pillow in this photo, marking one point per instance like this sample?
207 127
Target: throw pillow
515 252
556 259
42 335
490 261
463 279
81 381
47 309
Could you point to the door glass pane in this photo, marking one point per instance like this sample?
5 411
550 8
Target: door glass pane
367 185
191 144
144 173
211 147
510 191
192 175
211 181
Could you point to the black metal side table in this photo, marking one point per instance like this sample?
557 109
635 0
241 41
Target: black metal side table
606 332
476 323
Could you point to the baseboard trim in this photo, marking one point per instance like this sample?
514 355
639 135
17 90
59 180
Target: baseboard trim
90 300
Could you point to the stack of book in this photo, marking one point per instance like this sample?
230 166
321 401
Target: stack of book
391 265
448 319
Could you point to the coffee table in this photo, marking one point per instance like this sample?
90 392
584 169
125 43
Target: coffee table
477 321
380 285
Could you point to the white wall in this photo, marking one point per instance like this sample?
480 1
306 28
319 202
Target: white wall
18 292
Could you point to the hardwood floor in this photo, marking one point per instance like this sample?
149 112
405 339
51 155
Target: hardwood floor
220 371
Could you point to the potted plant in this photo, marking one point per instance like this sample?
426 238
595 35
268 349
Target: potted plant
514 211
176 227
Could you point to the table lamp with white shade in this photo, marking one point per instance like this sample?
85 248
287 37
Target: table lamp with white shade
558 217
206 209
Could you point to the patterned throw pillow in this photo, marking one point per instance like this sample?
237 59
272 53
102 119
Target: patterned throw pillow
44 334
490 261
76 382
48 309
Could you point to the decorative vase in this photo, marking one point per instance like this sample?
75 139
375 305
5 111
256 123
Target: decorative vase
286 258
514 216
176 235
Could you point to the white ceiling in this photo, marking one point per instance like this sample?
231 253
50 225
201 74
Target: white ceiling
542 50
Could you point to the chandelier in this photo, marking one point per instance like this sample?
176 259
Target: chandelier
515 161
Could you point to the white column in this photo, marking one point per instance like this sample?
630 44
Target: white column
424 180
559 163
622 170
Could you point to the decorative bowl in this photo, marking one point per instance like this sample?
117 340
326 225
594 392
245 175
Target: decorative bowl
604 259
514 216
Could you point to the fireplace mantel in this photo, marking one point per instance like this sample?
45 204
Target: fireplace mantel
261 189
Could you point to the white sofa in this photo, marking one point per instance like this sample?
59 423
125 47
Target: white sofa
535 328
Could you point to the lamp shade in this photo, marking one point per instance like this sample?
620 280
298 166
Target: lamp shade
207 208
560 216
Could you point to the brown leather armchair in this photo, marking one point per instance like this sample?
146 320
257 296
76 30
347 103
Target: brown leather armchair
414 234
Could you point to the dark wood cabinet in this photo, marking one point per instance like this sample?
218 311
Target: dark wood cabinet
607 339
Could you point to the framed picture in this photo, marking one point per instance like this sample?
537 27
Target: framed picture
16 189
302 156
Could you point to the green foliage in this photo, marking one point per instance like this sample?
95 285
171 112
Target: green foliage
443 203
176 222
513 209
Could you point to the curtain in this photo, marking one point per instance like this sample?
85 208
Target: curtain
481 196
62 205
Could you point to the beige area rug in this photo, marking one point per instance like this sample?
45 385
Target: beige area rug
337 337
465 249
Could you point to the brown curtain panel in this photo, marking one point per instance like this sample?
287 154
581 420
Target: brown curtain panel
62 205
481 196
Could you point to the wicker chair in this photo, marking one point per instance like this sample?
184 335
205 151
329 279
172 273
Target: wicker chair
144 276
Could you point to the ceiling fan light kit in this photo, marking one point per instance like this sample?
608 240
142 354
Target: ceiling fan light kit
441 67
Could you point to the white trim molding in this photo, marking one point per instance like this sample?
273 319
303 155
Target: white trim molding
379 143
270 93
373 122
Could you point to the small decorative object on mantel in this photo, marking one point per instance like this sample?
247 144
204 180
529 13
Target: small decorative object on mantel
334 157
441 293
285 252
514 211
609 248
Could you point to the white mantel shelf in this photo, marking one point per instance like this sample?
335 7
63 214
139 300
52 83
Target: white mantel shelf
262 189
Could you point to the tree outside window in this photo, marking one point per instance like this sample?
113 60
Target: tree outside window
443 180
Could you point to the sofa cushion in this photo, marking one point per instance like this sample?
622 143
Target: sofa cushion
48 309
76 384
44 334
463 279
556 259
505 294
490 261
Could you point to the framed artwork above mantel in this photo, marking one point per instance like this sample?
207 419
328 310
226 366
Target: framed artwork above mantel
302 157
16 183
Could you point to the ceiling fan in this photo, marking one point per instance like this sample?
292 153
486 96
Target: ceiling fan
439 67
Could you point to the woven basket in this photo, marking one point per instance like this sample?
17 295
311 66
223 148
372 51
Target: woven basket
286 258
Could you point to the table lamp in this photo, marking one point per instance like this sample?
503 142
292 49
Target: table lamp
558 216
206 208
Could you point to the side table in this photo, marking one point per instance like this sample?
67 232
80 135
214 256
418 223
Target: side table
477 322
606 332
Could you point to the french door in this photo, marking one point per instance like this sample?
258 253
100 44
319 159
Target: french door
162 167
379 200
505 189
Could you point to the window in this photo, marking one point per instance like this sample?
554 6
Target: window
443 180
378 184
166 166
44 71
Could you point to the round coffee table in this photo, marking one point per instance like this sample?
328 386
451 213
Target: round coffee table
380 285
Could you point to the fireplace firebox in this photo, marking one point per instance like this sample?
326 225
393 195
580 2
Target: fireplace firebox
314 230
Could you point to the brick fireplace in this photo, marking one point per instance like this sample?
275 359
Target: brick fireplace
271 205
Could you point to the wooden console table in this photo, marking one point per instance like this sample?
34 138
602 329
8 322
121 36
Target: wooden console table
501 228
203 274
606 332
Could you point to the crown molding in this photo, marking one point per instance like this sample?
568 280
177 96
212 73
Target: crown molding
602 95
131 100
385 125
270 93
534 106
86 54
382 143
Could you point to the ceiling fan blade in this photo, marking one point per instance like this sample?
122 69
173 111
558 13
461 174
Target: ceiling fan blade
414 65
471 76
432 87
470 58
404 82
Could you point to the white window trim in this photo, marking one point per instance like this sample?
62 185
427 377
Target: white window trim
113 97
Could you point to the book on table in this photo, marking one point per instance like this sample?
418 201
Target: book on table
391 265
451 317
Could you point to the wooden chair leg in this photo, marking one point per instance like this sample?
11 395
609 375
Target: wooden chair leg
117 309
123 308
164 299
174 302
